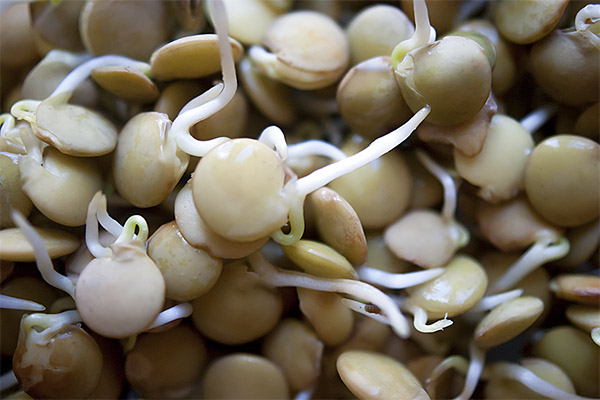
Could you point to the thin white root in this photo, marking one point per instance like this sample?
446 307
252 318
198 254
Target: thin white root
533 382
109 223
315 148
449 207
42 258
7 123
541 252
185 120
473 373
357 289
376 149
398 281
13 303
174 313
585 18
538 117
83 71
360 308
489 302
273 137
92 240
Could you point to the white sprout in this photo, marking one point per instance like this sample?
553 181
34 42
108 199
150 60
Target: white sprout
7 123
398 281
420 319
174 313
449 207
109 223
531 381
376 149
456 362
273 137
360 290
538 117
584 19
42 258
315 148
8 380
185 120
424 33
360 308
489 302
51 324
91 229
14 303
543 250
473 373
83 71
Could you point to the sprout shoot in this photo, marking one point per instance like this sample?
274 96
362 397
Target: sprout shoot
42 258
273 137
7 123
398 281
533 382
360 290
376 149
13 303
537 118
316 148
492 301
473 373
424 33
50 324
186 119
91 229
174 313
584 19
596 335
543 250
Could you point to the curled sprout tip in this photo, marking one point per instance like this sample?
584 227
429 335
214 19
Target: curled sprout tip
174 313
420 320
109 223
42 258
295 217
14 303
273 137
398 281
129 230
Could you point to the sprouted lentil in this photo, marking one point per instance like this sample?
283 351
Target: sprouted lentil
227 191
